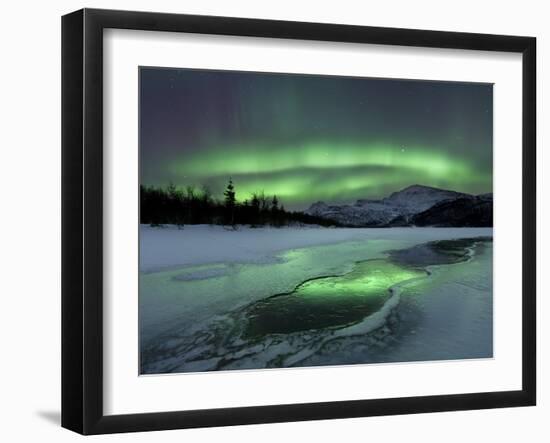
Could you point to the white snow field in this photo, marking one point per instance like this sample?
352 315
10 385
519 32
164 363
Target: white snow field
197 285
169 247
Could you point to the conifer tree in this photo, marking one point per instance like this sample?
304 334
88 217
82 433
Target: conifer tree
275 216
229 194
255 202
274 204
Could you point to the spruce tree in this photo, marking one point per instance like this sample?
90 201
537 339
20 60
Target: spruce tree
229 194
274 204
255 210
275 211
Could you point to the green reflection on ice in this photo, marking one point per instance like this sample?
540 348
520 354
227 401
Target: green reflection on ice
329 301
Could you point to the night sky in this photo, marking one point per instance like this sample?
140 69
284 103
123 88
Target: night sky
308 138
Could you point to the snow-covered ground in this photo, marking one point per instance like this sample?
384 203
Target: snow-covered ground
197 285
170 247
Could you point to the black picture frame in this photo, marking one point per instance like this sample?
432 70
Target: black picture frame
82 221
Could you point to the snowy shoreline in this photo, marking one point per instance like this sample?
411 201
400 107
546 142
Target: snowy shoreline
168 247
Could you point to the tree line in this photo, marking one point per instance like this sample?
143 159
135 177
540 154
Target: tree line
191 205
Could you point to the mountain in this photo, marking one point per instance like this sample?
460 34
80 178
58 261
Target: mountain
462 212
415 205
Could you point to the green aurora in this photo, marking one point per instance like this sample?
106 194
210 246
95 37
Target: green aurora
323 171
311 138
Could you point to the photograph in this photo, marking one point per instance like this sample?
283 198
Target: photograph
301 220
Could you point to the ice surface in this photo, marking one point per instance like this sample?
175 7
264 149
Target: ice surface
196 285
170 247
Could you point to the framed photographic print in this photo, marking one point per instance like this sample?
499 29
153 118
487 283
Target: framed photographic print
269 221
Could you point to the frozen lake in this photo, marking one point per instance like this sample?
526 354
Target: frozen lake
217 299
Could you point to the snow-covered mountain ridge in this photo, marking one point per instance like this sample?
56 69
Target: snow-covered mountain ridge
414 205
